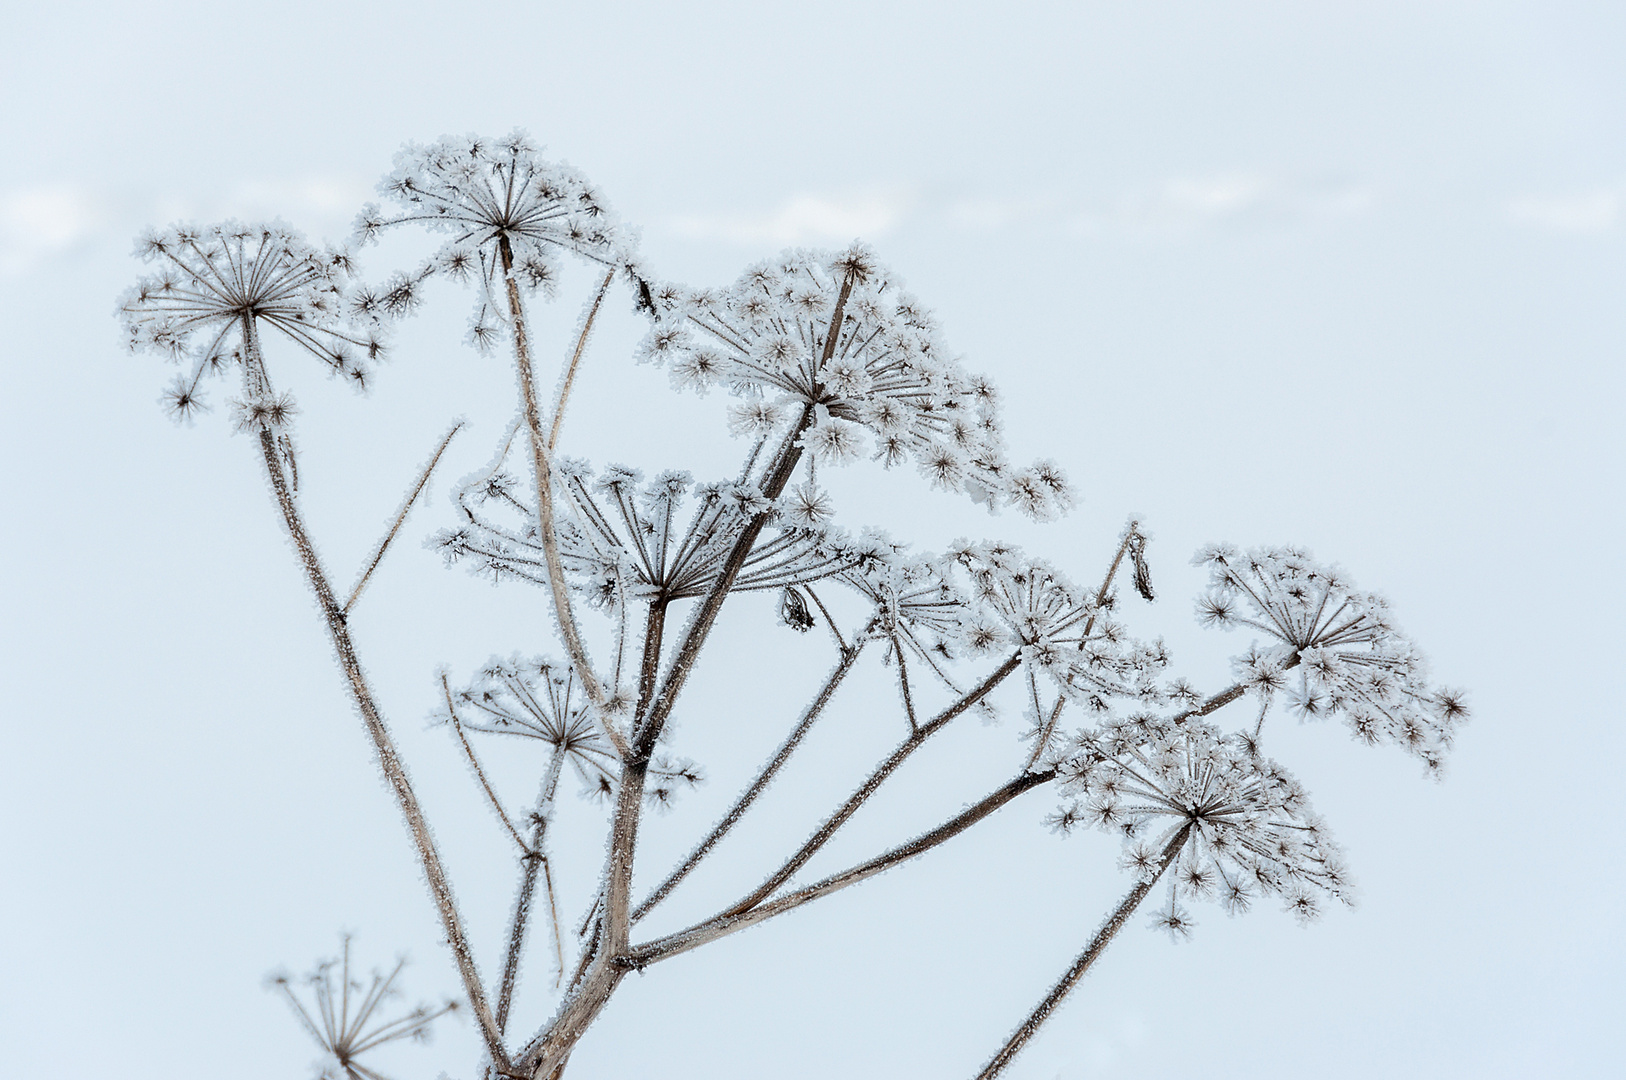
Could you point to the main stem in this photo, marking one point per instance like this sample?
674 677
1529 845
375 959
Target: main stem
593 992
389 759
1098 944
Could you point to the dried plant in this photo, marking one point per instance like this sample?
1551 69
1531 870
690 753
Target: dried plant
343 1018
832 362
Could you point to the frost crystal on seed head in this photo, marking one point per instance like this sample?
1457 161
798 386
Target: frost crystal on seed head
834 332
215 287
1251 831
1351 661
509 213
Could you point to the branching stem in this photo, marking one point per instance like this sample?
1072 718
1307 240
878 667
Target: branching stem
835 821
389 759
757 786
722 925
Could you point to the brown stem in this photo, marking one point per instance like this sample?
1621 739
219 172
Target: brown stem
544 507
594 990
576 359
1103 937
400 518
649 668
533 860
1226 696
721 926
389 759
1043 742
479 773
835 821
848 658
705 616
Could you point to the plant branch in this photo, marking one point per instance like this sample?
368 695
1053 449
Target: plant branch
575 361
1103 937
723 925
545 510
535 858
1225 697
757 786
400 519
389 759
1043 742
835 821
479 773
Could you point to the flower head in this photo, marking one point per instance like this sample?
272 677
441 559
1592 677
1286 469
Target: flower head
344 1022
536 698
508 211
1350 659
836 334
214 288
622 538
1248 828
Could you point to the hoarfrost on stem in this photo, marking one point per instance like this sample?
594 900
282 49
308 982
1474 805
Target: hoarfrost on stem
830 360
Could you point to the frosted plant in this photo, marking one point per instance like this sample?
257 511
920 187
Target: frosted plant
828 360
1351 660
1187 799
213 288
344 1020
508 213
831 344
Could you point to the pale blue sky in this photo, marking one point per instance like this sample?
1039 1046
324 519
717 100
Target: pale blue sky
1348 275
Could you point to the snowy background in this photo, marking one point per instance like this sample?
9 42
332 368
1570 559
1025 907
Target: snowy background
1347 275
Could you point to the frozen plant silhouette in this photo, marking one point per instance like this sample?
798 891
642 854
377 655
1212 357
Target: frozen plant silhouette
831 362
343 1019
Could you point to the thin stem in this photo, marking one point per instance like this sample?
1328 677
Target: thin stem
903 686
700 624
1225 697
534 858
835 821
828 621
593 991
575 360
479 773
757 786
1098 944
400 518
389 759
722 926
544 505
1041 744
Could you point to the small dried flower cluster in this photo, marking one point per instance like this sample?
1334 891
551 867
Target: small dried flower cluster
836 334
1351 660
1062 631
1249 828
212 288
537 698
344 1019
623 539
509 211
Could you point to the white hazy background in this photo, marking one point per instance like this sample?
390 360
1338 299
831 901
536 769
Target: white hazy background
1346 275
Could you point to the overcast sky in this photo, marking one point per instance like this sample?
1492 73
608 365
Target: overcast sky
1347 275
